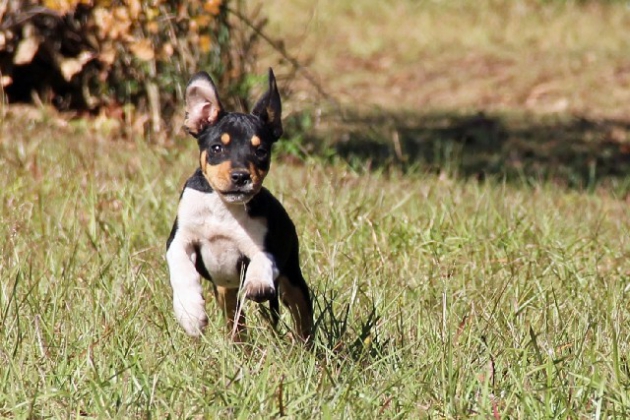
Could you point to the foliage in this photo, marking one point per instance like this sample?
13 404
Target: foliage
96 54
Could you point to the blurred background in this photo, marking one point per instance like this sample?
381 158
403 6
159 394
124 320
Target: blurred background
534 89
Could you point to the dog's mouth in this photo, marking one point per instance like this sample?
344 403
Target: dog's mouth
238 196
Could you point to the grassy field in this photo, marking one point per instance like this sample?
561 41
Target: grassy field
518 89
434 297
437 294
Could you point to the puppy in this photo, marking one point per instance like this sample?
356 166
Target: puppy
229 229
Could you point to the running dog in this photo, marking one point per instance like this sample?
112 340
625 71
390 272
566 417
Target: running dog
229 229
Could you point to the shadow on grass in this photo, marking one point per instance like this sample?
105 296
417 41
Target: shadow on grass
578 152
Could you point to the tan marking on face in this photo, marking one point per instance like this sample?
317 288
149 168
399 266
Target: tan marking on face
257 175
255 141
218 176
225 138
203 161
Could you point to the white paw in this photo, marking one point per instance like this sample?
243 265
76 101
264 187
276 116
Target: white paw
259 280
190 312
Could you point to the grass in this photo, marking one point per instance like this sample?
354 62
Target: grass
518 89
435 297
494 55
437 294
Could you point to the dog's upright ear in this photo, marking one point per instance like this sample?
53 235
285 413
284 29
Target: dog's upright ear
203 107
269 109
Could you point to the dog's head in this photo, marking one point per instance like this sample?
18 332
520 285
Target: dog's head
235 148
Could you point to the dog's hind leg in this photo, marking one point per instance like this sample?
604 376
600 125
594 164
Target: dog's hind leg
227 299
294 294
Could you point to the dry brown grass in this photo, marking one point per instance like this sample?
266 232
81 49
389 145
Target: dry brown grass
486 55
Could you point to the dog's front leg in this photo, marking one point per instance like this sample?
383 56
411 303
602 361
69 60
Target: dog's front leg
260 276
188 301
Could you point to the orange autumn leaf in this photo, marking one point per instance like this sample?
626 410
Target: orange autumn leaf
212 6
61 6
205 43
202 20
135 8
152 27
142 49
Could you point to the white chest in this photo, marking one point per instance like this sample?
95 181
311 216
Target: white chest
222 233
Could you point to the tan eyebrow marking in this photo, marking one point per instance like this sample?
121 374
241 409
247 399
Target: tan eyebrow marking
255 141
225 138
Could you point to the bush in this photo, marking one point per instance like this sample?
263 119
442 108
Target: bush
95 55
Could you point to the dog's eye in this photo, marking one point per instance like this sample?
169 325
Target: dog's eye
261 153
216 148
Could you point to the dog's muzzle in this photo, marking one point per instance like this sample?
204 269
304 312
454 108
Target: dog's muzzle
242 189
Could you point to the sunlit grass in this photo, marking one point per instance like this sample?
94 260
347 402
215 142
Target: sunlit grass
434 297
543 56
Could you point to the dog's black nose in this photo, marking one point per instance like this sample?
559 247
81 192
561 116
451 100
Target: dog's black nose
240 178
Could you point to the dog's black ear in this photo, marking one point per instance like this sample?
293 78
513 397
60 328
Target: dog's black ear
203 107
269 109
